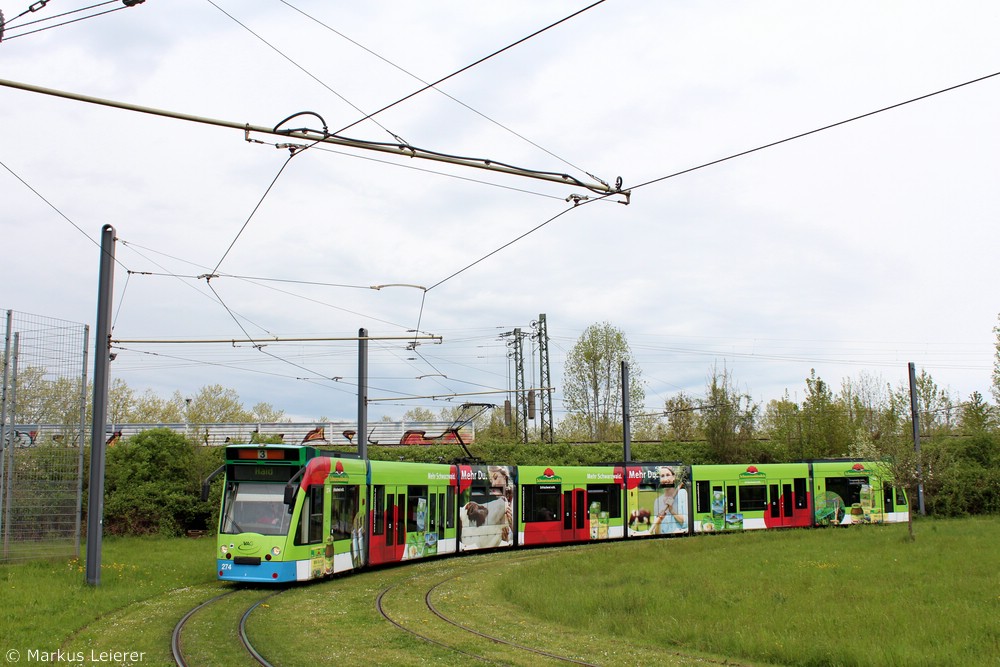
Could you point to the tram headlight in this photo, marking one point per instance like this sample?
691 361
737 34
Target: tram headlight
276 551
223 549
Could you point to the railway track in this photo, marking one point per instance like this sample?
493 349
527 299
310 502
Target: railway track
488 642
183 659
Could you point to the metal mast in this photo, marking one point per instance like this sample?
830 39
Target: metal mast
545 380
520 397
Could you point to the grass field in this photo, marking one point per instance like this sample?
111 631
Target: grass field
850 596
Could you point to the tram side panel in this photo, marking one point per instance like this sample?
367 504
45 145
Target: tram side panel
658 499
852 491
413 511
751 497
327 533
486 507
570 504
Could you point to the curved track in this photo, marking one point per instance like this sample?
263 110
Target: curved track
176 646
419 635
530 650
493 638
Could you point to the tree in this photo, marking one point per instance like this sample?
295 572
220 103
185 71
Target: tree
38 398
869 404
938 410
976 416
825 428
683 418
729 419
215 404
995 388
592 381
265 413
419 415
899 462
782 423
126 407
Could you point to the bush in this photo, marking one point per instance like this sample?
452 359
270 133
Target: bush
153 485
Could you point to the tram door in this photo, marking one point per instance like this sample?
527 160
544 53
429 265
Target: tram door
575 515
788 503
388 527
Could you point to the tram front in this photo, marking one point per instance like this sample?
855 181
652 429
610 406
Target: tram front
254 517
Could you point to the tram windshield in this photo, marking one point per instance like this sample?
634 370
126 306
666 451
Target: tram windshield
255 507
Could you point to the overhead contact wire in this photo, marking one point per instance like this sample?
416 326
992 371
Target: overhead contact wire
470 66
304 70
76 20
451 97
815 131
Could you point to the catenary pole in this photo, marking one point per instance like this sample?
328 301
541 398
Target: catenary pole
363 393
626 416
915 414
102 368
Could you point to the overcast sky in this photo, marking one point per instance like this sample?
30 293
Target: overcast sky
849 251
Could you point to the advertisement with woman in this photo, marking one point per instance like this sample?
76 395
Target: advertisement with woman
659 500
486 507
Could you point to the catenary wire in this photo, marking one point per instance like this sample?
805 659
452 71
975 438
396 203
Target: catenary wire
454 99
255 208
133 247
439 173
7 24
814 131
256 282
56 209
470 66
711 163
76 20
304 70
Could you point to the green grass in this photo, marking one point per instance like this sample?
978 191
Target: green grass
839 596
46 602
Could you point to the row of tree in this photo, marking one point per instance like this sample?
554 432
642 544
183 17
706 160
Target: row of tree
825 423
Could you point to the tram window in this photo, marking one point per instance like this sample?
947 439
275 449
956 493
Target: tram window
255 507
311 526
900 496
801 497
731 499
753 498
343 510
378 510
541 503
848 488
608 495
703 495
887 499
432 514
442 505
392 523
416 508
449 520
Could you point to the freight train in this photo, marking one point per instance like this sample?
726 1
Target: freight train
294 513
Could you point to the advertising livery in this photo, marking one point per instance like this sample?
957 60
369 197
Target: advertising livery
294 513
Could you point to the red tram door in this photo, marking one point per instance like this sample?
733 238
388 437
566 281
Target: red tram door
788 503
388 539
575 526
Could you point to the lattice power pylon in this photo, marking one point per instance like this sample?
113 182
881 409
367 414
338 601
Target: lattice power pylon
545 380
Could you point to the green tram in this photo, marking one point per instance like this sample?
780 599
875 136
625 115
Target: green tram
295 513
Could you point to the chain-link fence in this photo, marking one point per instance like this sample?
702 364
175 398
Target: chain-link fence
44 381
